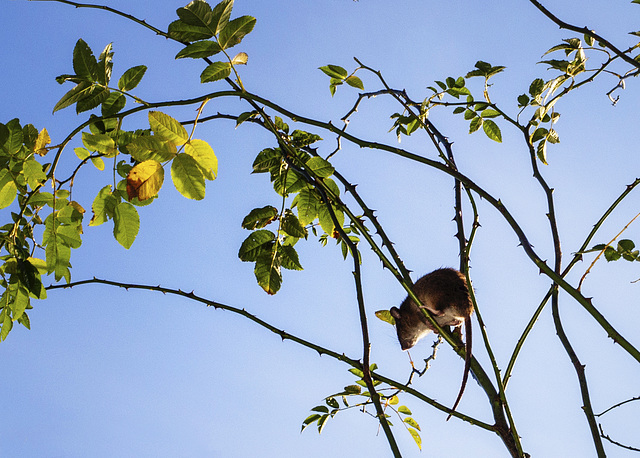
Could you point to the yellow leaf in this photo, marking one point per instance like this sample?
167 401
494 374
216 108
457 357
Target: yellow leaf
145 180
41 143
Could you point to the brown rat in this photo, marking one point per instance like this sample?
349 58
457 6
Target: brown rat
444 292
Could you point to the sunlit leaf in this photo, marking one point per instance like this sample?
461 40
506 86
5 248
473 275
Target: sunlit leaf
320 167
220 16
354 81
41 143
168 128
385 315
33 172
126 224
181 31
492 130
148 147
267 272
131 78
216 71
8 189
145 180
335 71
103 206
307 204
202 152
78 92
240 59
198 13
101 143
199 50
235 31
416 437
292 226
187 177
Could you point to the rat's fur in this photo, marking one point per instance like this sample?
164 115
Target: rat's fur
444 292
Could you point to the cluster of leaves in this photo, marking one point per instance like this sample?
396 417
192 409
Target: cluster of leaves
139 158
331 406
92 77
339 76
209 32
294 172
625 249
21 175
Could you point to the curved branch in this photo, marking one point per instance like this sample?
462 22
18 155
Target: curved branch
586 31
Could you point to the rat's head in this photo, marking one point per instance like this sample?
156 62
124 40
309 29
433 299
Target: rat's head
410 327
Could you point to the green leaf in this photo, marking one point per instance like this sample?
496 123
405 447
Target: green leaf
536 87
78 92
199 50
101 143
131 78
187 177
126 224
326 222
267 272
148 147
4 134
256 243
288 182
267 160
113 104
8 189
235 31
203 154
404 410
310 419
523 100
84 62
354 81
492 130
220 16
307 203
385 315
183 32
69 236
489 113
335 71
33 173
292 226
196 13
260 217
215 72
93 98
289 258
168 128
541 151
475 124
320 167
6 323
103 206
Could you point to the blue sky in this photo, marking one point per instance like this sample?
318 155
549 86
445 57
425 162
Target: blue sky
104 372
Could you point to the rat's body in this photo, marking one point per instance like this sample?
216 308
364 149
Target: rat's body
445 294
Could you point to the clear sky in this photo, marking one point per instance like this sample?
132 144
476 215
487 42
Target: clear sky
109 373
